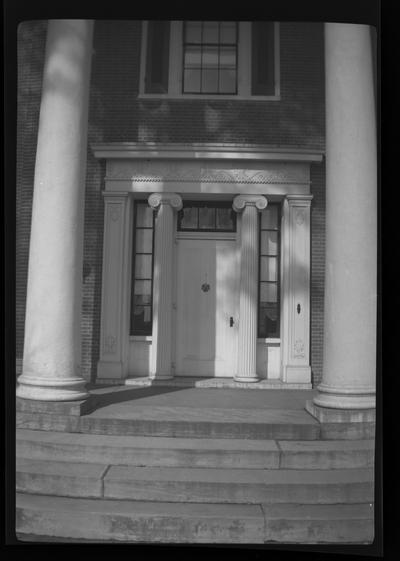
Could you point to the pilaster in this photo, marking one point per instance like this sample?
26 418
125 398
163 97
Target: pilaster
113 332
296 289
249 206
161 349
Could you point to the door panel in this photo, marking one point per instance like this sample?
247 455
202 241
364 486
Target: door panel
207 295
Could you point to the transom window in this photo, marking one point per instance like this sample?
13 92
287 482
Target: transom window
207 217
142 277
269 265
210 57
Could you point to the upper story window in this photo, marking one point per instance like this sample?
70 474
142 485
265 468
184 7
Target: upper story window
192 59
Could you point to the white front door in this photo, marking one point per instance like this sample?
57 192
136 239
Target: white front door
207 307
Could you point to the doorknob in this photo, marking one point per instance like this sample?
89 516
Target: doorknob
231 322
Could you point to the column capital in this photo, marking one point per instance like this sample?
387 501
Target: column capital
241 201
304 200
157 199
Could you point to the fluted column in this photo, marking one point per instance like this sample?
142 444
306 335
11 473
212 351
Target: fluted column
249 206
349 366
52 349
161 346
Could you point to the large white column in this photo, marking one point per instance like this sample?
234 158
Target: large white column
249 205
161 346
52 350
349 367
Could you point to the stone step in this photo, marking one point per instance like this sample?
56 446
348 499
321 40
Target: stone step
180 452
193 485
185 422
66 519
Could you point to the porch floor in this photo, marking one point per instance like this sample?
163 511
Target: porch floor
183 403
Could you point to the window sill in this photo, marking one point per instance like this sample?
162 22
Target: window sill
269 340
202 97
148 338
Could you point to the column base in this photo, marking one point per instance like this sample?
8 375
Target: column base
246 378
342 398
329 415
51 390
161 377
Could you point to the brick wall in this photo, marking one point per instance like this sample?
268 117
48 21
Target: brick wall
116 114
317 269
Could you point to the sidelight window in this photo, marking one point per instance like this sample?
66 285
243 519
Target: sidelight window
269 265
142 277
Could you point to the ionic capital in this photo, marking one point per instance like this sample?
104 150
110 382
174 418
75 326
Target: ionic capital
241 201
157 199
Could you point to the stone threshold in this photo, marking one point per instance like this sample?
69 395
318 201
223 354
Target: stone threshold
226 383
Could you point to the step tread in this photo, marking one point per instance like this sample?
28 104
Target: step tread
135 508
148 442
239 475
325 445
319 511
64 469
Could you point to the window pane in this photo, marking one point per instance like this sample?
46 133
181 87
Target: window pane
192 57
142 319
206 218
227 57
144 216
268 324
192 81
142 292
209 82
210 32
268 269
144 241
269 217
268 292
228 32
189 218
227 81
143 267
193 32
224 219
269 243
210 57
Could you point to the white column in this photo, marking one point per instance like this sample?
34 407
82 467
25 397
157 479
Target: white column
114 302
161 346
296 289
349 366
52 350
249 205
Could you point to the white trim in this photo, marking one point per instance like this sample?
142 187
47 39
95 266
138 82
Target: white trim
175 67
148 338
198 235
196 151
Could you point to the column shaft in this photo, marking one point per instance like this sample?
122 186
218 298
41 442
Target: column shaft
247 342
161 347
349 366
52 350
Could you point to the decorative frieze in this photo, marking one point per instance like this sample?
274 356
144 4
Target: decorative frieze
166 171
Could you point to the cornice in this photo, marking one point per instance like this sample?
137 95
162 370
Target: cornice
175 151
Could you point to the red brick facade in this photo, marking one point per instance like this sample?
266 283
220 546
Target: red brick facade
117 114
